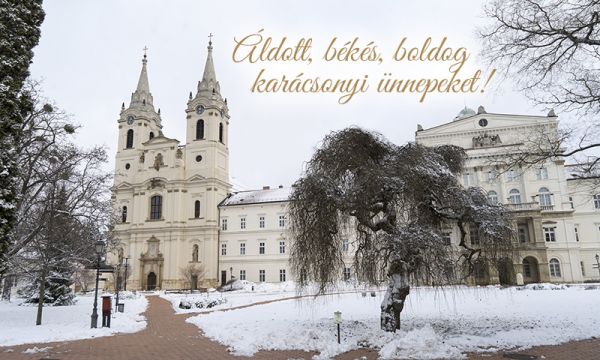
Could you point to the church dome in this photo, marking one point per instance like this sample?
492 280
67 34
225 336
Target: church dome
465 113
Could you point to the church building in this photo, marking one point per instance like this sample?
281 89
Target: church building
167 193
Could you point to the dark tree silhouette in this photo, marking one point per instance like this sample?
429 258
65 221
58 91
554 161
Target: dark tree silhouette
395 203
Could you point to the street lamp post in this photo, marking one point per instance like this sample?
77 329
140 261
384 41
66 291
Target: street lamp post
125 280
99 247
598 263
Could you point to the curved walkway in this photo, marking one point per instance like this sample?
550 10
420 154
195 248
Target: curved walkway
168 336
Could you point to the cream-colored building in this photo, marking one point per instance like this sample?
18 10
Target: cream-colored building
177 208
168 193
557 229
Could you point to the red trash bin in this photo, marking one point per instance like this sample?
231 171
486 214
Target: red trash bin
106 310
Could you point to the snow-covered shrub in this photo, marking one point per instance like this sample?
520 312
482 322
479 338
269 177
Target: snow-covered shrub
203 303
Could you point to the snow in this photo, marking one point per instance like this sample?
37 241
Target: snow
59 323
231 299
258 196
436 323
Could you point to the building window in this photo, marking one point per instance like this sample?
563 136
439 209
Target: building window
261 222
571 202
129 142
514 196
549 234
200 129
554 268
512 175
492 197
492 175
197 209
282 247
156 207
195 253
597 201
347 274
151 136
221 132
582 268
542 173
223 224
242 223
282 275
345 246
576 233
281 221
124 214
523 233
261 248
468 179
223 249
526 268
474 234
447 236
261 275
242 274
242 248
545 198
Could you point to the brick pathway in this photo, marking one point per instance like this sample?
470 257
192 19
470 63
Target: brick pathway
168 336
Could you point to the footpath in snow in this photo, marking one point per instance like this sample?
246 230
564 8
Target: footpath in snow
436 323
59 323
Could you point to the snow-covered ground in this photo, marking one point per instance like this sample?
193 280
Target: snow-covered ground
435 323
248 293
17 323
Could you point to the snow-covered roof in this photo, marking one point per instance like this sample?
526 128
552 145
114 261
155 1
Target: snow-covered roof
258 196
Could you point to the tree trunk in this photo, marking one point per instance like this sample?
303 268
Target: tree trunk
41 298
393 301
6 281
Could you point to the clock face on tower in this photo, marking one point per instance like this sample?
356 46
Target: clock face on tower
130 119
199 109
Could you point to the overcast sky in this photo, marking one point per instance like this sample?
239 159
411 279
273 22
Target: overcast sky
89 59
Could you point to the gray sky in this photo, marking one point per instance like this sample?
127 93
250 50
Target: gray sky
89 59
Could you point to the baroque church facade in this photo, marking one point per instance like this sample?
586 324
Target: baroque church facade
177 208
167 193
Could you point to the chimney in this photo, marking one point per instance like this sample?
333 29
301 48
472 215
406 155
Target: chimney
266 187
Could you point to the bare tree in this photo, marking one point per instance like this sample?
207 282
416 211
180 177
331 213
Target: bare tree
551 50
63 207
193 273
397 201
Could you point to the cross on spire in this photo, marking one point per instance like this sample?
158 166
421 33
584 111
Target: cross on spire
210 36
145 49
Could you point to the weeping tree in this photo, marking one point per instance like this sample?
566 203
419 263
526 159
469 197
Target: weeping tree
397 203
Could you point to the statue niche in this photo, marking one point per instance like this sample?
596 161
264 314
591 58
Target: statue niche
158 161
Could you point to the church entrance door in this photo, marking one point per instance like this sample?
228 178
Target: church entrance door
151 281
223 277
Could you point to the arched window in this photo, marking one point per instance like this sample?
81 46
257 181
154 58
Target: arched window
124 214
129 144
151 135
221 132
492 197
156 207
200 129
554 267
545 199
197 209
195 253
514 196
